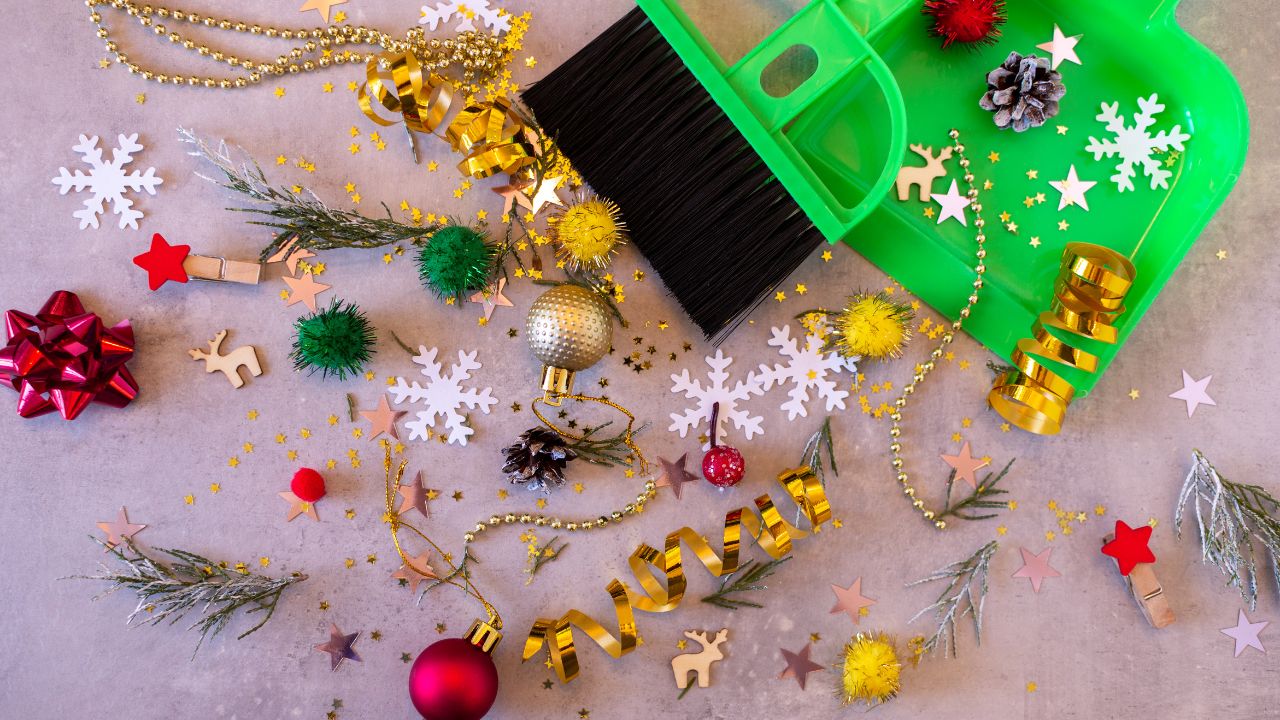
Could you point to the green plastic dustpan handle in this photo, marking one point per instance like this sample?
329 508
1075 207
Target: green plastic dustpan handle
841 51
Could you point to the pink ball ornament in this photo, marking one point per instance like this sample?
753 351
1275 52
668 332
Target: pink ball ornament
453 679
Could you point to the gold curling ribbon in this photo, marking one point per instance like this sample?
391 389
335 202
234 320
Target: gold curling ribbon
765 525
492 136
1088 297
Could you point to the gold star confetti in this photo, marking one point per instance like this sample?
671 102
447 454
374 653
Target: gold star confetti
1031 687
215 488
826 256
1063 225
1062 129
1050 535
994 157
1221 254
279 92
1004 427
1002 530
1134 394
234 461
140 98
252 415
928 212
801 289
1034 242
1033 174
779 296
189 499
349 562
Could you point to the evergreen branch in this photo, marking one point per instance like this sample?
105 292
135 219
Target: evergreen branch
748 578
611 450
541 555
959 598
979 499
402 345
812 454
303 214
1229 517
187 583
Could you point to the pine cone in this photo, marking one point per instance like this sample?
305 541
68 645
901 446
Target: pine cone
1023 92
537 459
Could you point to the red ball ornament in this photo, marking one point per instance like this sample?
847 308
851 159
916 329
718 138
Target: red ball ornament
722 466
453 679
308 485
971 22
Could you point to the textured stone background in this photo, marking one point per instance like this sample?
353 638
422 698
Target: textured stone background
1081 640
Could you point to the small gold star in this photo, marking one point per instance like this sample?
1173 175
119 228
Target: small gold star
1062 129
928 212
1221 254
1034 242
779 296
189 499
215 488
234 461
1031 687
801 289
327 87
530 62
1033 174
1063 225
279 92
140 98
252 415
994 156
1134 394
826 256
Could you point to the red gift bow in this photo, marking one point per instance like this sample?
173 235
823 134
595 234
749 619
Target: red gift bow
64 358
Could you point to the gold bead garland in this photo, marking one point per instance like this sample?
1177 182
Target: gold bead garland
922 371
479 54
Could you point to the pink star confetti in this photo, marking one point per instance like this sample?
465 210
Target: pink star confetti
339 647
1036 567
1194 392
851 601
799 665
119 531
674 475
1246 633
965 465
298 506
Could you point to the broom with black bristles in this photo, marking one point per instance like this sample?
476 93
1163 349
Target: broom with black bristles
701 203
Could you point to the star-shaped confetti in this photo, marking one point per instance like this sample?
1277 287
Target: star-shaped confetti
1073 190
382 419
953 205
321 6
1245 634
415 571
339 647
492 298
1129 547
298 506
546 194
163 262
303 289
415 497
850 601
1036 567
674 475
799 665
120 530
1194 392
966 465
1062 48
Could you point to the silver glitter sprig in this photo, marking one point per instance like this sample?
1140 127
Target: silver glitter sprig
965 593
1230 516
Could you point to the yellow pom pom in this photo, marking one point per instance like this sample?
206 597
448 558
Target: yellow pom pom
588 232
872 326
869 670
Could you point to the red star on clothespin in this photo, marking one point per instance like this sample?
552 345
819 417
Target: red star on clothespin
1130 547
163 262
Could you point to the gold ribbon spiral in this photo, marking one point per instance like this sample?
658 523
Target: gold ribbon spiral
765 525
492 136
1088 297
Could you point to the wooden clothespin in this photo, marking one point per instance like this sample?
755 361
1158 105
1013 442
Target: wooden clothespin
165 262
220 269
1136 564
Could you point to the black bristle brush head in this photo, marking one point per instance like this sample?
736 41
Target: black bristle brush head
714 222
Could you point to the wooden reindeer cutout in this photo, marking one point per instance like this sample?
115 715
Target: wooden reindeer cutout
922 176
699 662
230 363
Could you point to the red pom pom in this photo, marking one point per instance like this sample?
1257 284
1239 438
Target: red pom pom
308 485
723 466
974 22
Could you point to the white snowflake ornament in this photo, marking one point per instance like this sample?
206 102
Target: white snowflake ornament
108 181
1136 145
497 21
443 396
808 367
717 391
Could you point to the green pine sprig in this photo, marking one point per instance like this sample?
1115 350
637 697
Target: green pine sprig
541 555
813 452
980 499
748 578
188 583
1229 517
965 594
302 214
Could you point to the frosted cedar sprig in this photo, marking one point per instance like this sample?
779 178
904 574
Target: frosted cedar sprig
1230 516
187 583
316 225
965 593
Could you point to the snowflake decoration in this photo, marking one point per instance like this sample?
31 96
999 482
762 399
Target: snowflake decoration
807 368
108 181
443 396
496 18
1135 145
718 391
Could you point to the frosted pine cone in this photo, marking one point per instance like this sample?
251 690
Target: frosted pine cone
1023 92
537 460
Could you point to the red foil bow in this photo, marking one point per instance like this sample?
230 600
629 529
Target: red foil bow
64 358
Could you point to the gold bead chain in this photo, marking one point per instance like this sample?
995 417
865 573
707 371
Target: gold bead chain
479 54
922 371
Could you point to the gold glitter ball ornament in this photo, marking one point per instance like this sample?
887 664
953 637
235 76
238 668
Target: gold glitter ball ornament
569 328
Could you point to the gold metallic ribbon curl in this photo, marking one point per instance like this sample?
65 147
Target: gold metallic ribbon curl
1088 297
492 136
660 573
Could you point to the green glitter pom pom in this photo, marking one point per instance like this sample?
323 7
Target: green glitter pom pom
337 340
456 260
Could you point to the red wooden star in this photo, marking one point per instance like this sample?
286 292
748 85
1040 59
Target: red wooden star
1130 547
163 262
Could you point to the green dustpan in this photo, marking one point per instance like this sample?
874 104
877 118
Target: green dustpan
837 140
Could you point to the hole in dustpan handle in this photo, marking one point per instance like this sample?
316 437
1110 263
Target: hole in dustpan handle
841 50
